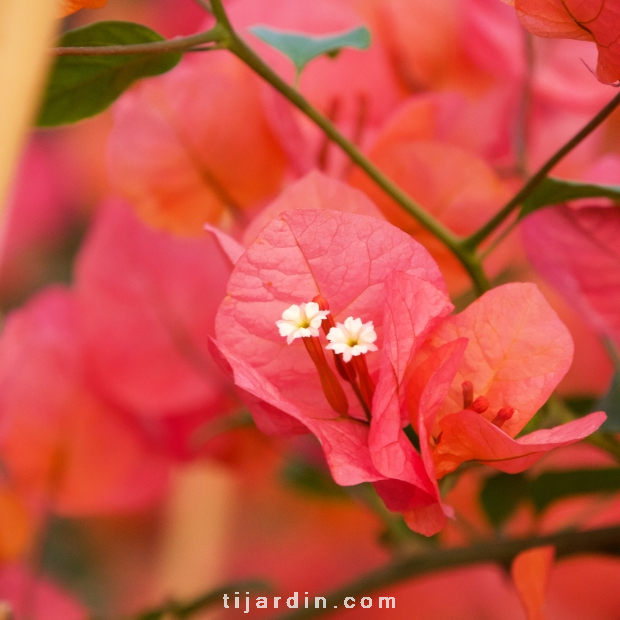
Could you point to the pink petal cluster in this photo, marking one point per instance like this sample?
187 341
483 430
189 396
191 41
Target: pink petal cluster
509 344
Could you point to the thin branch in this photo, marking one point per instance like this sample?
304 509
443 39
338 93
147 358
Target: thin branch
479 236
238 47
606 540
178 44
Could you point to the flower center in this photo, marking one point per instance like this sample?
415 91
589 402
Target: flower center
352 338
348 340
481 404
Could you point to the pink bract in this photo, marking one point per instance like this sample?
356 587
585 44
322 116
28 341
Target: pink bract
178 152
576 250
518 350
315 190
34 597
589 20
357 263
147 309
60 442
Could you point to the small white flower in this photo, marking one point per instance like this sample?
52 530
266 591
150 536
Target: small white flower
352 338
301 321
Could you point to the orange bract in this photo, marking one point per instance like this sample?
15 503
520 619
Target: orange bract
530 573
592 20
188 145
71 6
17 528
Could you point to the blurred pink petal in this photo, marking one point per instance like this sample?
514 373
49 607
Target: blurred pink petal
530 574
37 598
58 440
178 152
147 308
577 252
357 90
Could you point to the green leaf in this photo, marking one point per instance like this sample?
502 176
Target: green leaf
82 86
302 48
553 191
554 485
501 494
610 404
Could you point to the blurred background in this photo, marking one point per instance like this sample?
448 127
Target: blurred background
166 489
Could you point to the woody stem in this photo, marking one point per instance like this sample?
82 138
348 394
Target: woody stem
503 552
480 235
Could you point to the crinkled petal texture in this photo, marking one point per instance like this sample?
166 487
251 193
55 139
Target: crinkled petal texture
455 185
313 191
179 153
148 302
587 20
346 258
425 391
71 6
577 251
517 352
58 440
412 307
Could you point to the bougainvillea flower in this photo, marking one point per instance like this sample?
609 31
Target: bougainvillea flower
361 267
160 293
517 351
530 574
59 442
178 152
576 250
71 6
592 20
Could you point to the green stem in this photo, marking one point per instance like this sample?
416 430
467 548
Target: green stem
606 540
178 44
238 47
473 241
225 37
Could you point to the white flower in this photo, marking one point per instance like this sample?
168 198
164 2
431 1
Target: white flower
301 321
352 338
